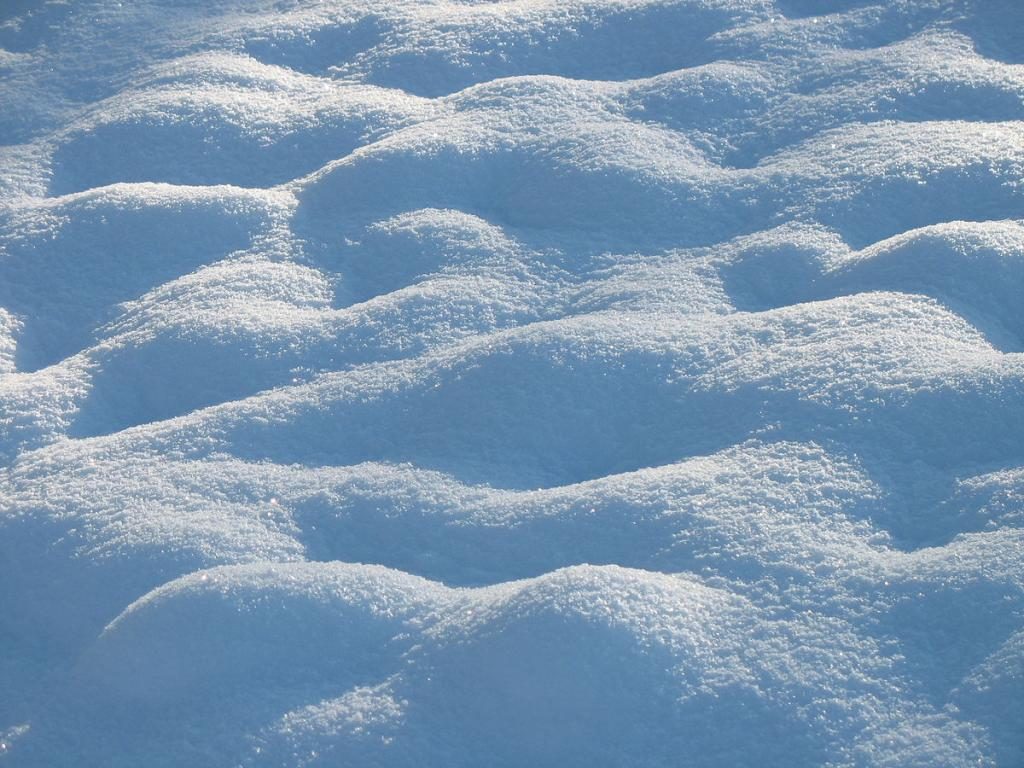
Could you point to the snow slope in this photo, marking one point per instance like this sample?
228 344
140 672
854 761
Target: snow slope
534 382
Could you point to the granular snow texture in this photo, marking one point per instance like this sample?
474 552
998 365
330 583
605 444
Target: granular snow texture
440 383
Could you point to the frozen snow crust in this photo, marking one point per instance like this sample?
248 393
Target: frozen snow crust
525 383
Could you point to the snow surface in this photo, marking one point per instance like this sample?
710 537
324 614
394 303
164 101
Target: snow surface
537 382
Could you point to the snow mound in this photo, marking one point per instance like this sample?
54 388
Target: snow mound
599 382
539 669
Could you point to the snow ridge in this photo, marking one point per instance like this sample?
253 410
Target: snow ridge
603 382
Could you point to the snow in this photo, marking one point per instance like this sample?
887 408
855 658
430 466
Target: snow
603 382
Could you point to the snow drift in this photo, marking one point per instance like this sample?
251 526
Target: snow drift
605 382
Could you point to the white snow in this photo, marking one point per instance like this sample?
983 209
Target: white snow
591 382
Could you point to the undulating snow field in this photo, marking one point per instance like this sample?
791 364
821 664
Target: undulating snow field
430 383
